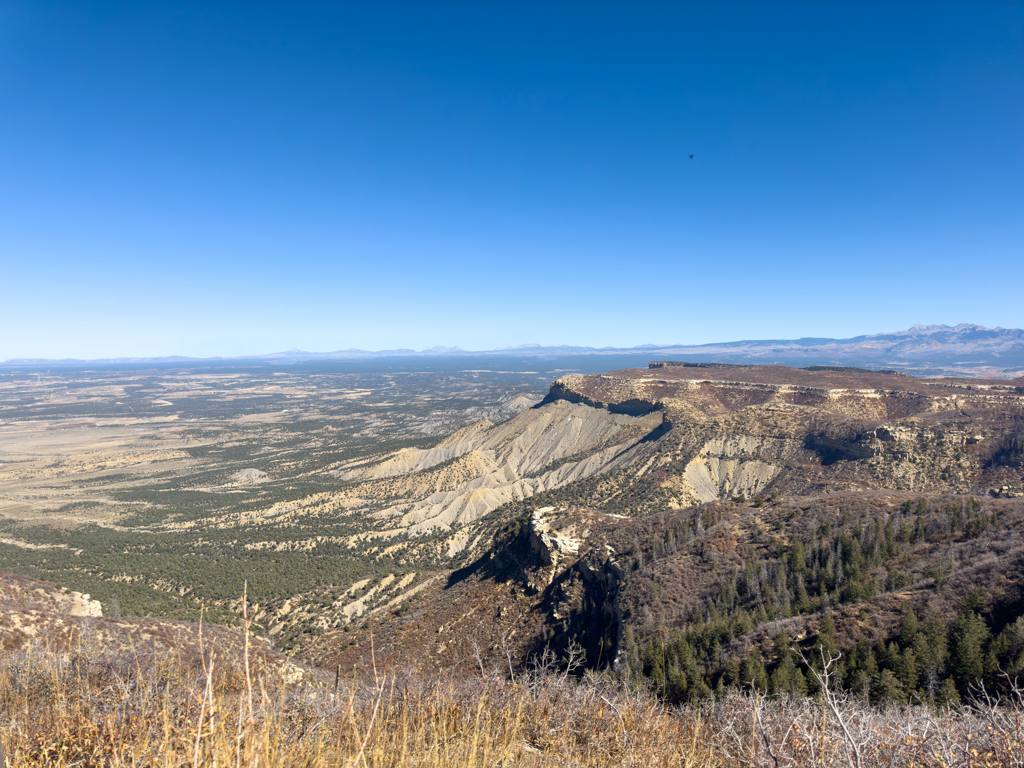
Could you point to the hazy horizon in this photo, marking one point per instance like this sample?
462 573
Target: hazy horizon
441 352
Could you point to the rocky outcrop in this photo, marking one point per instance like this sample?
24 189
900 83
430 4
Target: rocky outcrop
552 544
548 581
250 475
36 614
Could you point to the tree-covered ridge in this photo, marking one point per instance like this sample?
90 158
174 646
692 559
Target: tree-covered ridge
719 598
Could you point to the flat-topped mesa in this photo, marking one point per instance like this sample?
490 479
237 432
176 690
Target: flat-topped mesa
748 430
625 398
662 382
838 368
683 364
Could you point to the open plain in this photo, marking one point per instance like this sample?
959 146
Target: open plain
160 490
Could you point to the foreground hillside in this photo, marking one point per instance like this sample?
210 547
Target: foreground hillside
90 707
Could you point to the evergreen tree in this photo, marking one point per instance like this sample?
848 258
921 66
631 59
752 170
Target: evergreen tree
909 671
909 627
870 665
676 688
1010 647
973 601
947 695
783 646
731 675
858 681
700 691
931 646
753 672
786 678
827 637
887 691
629 644
888 656
798 558
653 660
968 637
803 600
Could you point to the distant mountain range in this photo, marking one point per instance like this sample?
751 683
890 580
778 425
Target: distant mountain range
936 350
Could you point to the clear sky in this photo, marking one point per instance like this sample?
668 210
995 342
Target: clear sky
224 178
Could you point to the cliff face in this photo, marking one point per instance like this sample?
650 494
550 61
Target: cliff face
746 431
550 579
483 467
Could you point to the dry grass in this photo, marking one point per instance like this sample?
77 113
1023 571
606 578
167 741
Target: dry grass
82 709
88 709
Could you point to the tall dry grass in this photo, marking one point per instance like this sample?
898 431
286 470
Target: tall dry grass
93 707
87 709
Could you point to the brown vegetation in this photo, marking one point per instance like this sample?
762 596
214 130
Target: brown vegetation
90 709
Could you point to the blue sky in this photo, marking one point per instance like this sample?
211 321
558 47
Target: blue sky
235 178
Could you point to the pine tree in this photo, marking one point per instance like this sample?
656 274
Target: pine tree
887 691
803 600
786 678
653 659
870 666
700 691
798 558
676 688
731 675
1010 647
753 673
909 671
909 627
973 601
947 695
783 646
858 681
629 644
931 645
968 637
888 655
827 637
